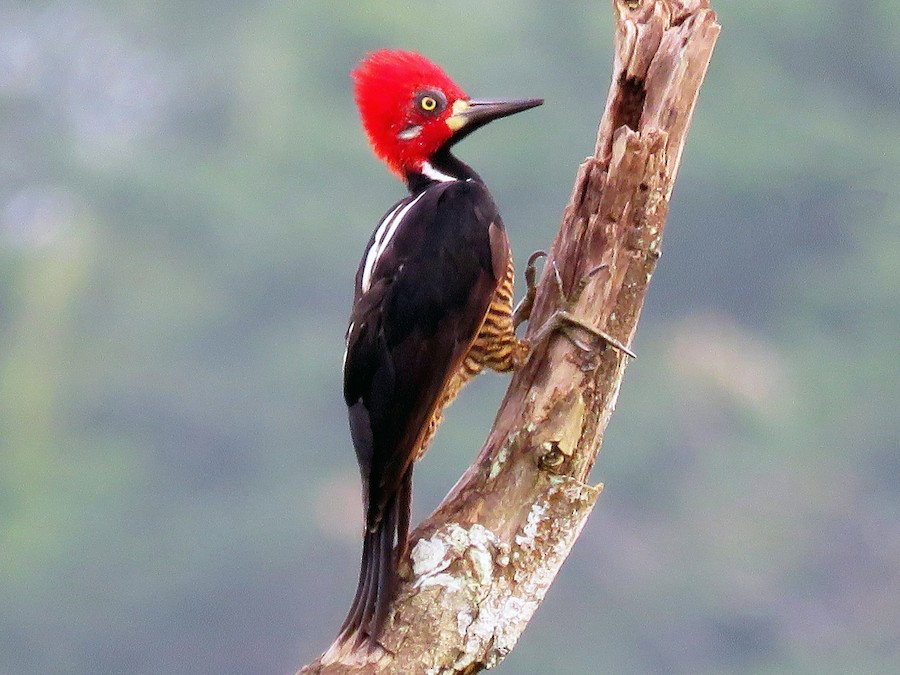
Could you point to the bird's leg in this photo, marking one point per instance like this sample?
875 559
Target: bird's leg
507 352
566 322
522 312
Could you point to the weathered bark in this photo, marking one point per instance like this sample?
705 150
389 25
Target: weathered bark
480 565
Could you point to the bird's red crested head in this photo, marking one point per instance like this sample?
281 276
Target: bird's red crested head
406 103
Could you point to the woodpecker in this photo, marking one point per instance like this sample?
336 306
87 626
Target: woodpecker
432 305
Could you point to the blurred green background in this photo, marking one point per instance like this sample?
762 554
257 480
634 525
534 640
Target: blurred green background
184 196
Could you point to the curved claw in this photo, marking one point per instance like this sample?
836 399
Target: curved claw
523 310
534 257
531 269
583 282
563 299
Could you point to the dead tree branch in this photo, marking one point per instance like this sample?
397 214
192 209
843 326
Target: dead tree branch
481 564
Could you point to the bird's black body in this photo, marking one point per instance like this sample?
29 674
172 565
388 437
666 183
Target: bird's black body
423 290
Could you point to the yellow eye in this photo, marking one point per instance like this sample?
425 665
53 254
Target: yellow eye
428 104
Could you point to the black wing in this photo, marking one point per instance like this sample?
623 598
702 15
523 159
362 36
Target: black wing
423 289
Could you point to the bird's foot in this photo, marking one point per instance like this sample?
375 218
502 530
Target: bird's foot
562 319
569 325
522 312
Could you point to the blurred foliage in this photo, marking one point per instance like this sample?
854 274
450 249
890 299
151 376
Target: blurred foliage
184 194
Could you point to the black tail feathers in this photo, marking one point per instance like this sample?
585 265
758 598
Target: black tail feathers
377 575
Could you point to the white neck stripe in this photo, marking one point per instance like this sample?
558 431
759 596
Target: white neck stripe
434 174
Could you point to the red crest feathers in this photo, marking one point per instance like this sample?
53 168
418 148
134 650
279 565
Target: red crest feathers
386 84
